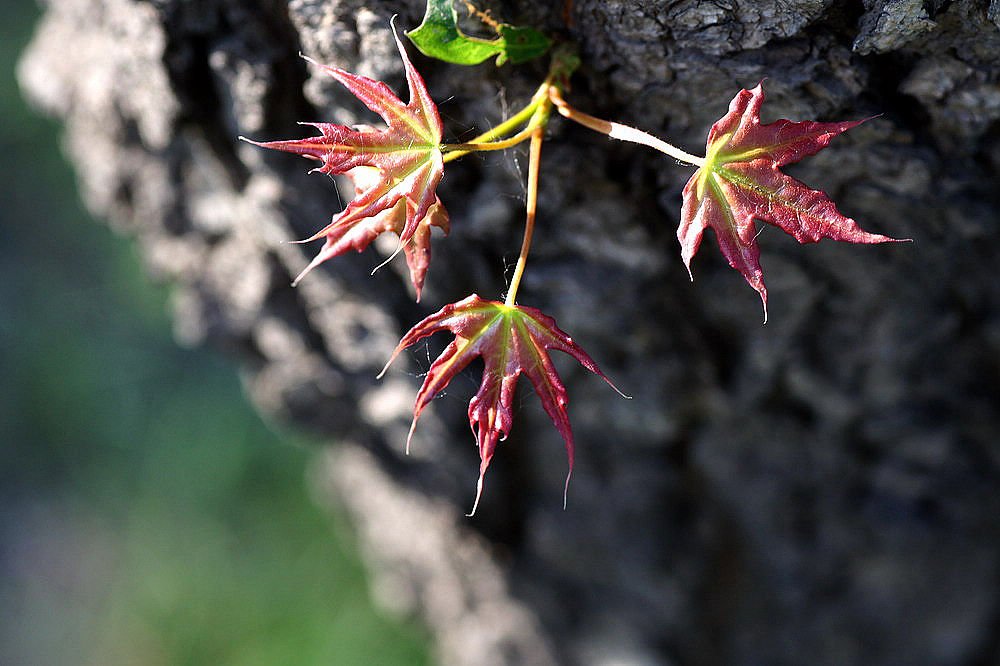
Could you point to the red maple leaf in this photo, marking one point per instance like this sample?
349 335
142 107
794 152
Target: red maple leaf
512 340
740 182
406 154
360 235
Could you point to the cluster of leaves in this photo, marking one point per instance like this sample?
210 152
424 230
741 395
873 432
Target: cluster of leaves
396 169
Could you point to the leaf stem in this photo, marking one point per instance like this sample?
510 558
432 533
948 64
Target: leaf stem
534 156
620 131
523 135
456 150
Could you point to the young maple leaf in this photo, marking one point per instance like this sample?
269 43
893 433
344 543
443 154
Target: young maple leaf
740 182
358 236
512 340
406 154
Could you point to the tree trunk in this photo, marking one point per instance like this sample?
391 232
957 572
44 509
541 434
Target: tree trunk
820 489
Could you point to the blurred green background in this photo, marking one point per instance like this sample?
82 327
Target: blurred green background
147 515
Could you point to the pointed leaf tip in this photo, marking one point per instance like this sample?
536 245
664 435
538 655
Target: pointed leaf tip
566 486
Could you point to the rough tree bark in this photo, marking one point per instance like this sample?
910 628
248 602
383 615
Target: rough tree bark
822 489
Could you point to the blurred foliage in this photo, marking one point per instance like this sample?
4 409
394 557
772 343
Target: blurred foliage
147 515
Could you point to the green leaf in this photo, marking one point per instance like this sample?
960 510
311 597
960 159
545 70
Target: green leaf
438 36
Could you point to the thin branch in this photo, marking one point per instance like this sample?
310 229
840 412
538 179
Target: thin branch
534 155
620 131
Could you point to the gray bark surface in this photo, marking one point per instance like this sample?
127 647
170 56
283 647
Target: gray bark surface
822 489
